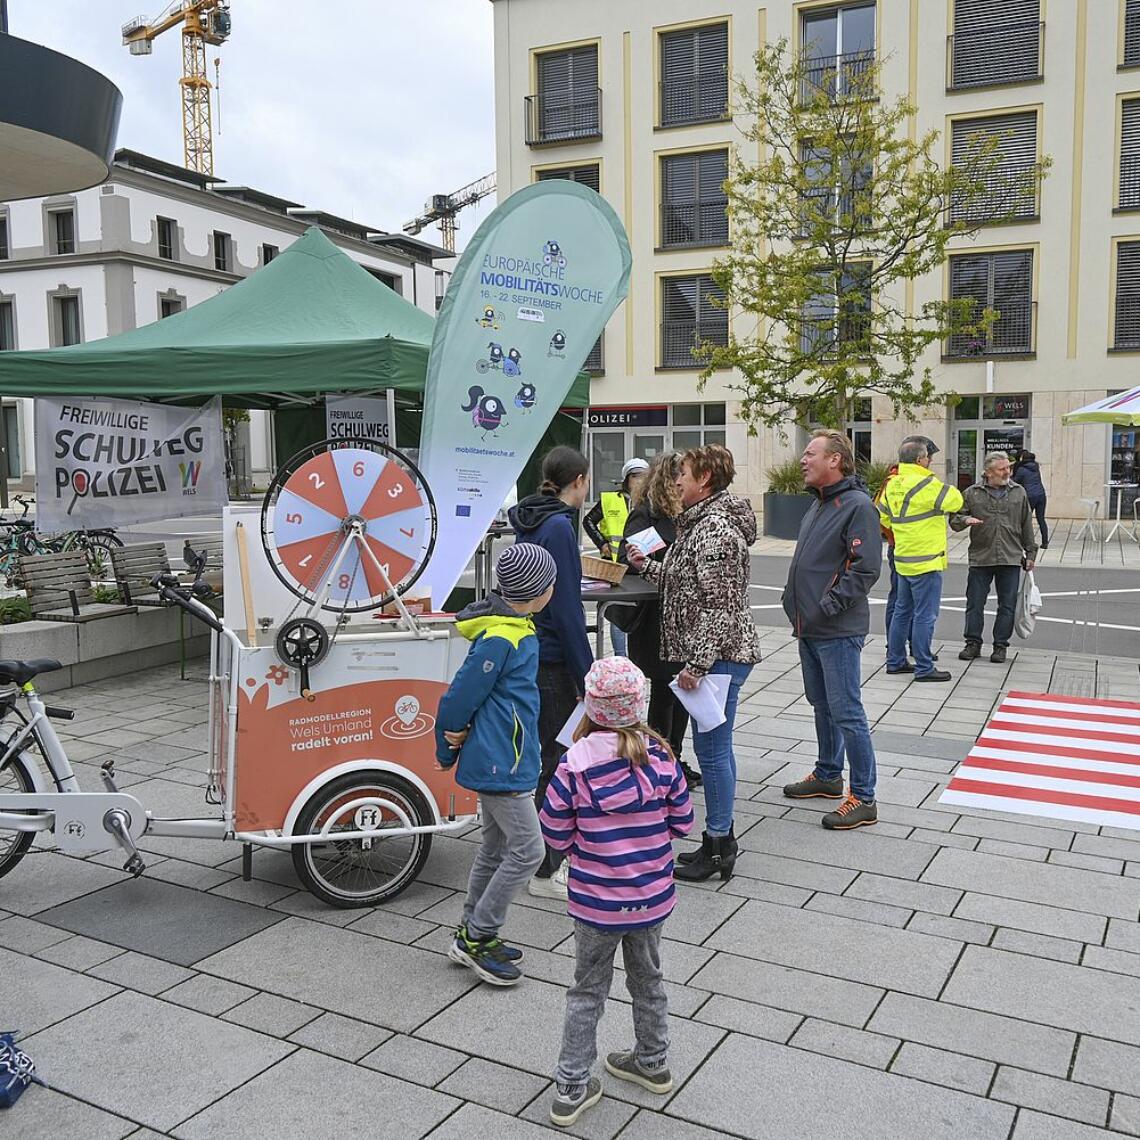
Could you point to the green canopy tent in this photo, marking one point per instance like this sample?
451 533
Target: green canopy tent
312 321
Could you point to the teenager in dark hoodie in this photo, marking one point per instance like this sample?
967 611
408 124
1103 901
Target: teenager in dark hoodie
564 657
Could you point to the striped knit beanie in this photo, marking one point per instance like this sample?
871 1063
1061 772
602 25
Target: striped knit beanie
617 693
525 571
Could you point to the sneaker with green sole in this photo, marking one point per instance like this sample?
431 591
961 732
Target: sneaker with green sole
570 1101
486 961
626 1067
813 786
511 953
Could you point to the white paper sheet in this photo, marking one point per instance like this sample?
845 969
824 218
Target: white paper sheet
565 736
705 704
646 541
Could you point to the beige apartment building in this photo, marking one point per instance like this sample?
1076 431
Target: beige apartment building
634 99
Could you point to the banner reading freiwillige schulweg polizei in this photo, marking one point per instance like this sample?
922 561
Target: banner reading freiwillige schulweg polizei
117 462
529 297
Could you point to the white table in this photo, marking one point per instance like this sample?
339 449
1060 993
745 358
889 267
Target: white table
1119 488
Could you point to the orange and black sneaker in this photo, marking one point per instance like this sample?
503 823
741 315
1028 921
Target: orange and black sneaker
813 786
853 812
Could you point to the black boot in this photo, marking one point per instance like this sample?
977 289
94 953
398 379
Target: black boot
716 855
692 856
692 777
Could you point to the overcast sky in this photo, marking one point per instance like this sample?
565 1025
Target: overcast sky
363 108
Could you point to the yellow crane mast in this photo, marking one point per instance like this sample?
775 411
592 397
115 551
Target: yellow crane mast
203 22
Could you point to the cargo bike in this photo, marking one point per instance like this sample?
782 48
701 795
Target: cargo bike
322 739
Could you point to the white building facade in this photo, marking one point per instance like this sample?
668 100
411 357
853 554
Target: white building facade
635 100
151 241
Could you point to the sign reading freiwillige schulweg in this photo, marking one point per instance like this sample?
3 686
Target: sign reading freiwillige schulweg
117 462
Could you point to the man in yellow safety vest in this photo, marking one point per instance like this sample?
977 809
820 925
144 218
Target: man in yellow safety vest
605 520
913 508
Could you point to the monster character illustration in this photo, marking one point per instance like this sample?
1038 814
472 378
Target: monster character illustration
512 365
489 319
526 397
557 344
494 358
487 412
552 254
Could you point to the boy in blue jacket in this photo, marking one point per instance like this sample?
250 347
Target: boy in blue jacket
487 724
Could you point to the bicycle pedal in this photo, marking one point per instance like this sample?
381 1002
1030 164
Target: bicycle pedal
134 866
107 771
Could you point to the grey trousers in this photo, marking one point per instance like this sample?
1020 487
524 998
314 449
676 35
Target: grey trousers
512 848
593 972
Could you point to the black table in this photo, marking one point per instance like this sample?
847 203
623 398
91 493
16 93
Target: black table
631 589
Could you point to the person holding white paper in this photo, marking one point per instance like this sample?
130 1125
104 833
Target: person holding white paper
707 624
656 505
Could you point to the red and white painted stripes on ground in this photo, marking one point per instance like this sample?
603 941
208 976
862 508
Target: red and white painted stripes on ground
1055 756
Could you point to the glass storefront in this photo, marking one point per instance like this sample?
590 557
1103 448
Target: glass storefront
618 434
983 424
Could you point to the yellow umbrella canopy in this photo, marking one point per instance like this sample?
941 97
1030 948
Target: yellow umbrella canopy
1123 408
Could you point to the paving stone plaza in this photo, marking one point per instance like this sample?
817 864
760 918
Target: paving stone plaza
947 973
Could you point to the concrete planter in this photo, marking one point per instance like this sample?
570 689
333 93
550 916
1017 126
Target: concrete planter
784 513
107 648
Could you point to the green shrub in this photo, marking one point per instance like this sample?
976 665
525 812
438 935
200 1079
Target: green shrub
785 478
14 610
106 595
875 475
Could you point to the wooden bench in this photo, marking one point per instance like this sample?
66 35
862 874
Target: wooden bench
134 566
59 588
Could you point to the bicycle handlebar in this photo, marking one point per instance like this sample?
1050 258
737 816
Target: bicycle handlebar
171 590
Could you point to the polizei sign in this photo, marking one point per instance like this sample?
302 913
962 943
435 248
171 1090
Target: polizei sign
117 462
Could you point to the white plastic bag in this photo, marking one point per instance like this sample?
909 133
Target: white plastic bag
1028 605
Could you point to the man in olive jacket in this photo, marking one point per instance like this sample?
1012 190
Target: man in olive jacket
836 562
1001 542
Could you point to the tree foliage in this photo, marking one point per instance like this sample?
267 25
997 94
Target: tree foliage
839 212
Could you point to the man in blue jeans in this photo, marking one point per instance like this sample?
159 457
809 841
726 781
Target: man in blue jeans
836 562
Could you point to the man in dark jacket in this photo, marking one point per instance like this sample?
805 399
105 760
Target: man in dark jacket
836 562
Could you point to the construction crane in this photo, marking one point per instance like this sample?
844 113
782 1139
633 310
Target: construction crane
203 22
444 208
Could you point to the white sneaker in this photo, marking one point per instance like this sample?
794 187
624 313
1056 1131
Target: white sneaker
552 888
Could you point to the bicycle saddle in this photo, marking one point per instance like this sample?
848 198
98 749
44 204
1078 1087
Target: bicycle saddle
20 672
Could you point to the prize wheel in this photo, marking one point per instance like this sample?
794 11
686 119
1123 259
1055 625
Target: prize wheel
337 513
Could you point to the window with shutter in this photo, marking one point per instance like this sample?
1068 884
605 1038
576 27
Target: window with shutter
595 362
840 312
4 253
1127 325
1131 33
688 317
1011 190
1128 194
693 201
837 198
995 42
7 326
1000 281
568 103
694 75
584 175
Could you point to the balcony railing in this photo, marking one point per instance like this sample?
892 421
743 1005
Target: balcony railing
1011 194
836 76
825 203
679 338
700 98
820 335
1013 333
563 117
991 57
1129 198
694 223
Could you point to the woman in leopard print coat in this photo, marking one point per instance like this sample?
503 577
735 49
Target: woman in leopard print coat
706 623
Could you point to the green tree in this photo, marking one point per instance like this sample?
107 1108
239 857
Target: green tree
840 211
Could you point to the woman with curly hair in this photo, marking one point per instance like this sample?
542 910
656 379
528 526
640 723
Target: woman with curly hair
706 622
656 503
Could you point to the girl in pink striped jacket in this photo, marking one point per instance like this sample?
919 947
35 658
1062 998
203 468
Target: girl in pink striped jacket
615 803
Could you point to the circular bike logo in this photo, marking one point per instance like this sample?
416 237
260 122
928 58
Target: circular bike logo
408 722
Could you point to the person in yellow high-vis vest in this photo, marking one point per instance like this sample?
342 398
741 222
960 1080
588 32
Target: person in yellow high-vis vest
605 525
913 508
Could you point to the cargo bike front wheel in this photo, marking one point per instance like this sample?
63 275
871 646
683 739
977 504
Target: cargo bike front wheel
362 871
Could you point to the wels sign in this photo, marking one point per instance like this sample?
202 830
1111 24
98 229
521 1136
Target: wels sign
119 462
